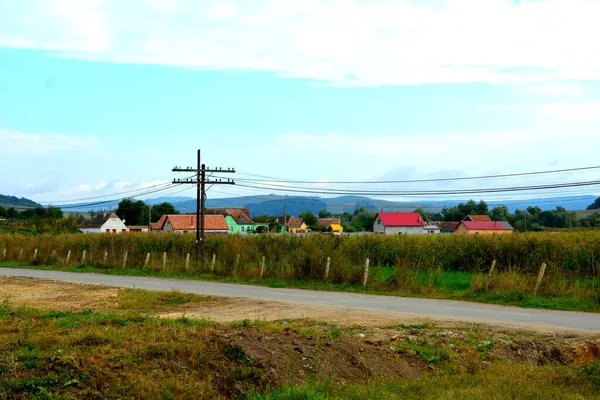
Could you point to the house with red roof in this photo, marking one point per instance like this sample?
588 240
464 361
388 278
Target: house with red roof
394 223
484 227
213 224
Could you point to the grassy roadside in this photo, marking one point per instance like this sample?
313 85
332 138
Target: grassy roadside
122 351
507 289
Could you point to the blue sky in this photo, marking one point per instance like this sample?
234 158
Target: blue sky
103 96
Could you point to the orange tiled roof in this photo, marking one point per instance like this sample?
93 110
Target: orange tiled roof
188 222
328 221
477 218
294 222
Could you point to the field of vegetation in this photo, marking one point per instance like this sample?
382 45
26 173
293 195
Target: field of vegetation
450 266
122 350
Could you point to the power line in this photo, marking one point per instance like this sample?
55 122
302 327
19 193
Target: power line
81 205
424 180
412 193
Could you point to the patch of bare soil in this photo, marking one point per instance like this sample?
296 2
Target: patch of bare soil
56 295
288 357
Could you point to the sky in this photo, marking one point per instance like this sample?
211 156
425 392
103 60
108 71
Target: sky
100 97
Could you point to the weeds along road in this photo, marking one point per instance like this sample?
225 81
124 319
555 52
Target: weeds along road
436 309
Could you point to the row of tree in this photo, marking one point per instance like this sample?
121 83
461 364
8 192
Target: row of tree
140 213
38 213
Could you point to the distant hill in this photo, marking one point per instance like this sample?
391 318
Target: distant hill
16 202
273 204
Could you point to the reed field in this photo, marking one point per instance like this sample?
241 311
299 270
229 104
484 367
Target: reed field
569 257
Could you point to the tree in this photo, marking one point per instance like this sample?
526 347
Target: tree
500 213
595 205
424 214
12 213
309 218
363 220
133 212
3 212
54 213
325 214
161 209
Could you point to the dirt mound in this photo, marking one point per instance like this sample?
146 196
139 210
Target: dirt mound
584 352
289 357
532 352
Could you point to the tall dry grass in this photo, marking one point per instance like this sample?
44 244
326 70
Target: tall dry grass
568 255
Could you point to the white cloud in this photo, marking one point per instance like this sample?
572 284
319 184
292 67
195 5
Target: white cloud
560 89
85 188
350 42
16 143
562 135
121 185
571 111
100 186
145 185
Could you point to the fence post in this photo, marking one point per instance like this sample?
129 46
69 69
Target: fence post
164 265
147 260
35 254
212 263
236 264
4 254
489 278
187 262
366 273
262 267
68 258
125 259
105 256
327 268
20 254
83 257
540 277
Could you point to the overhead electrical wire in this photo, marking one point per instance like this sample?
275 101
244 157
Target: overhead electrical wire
81 205
293 189
278 180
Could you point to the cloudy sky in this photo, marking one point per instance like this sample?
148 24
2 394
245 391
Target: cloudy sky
98 97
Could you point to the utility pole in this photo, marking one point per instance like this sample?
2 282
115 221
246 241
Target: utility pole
285 219
200 181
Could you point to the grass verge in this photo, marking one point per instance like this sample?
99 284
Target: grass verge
120 353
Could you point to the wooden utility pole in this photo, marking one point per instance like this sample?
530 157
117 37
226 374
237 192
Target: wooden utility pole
200 181
285 219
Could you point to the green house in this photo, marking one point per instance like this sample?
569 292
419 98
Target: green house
239 222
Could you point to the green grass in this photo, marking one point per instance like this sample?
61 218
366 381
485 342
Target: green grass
499 381
121 353
451 285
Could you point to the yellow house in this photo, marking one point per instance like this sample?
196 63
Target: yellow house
296 225
333 223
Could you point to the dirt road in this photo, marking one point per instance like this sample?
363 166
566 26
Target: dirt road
255 302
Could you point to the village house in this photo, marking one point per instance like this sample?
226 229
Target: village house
213 224
484 227
292 224
431 229
334 223
239 221
447 227
134 228
393 223
103 223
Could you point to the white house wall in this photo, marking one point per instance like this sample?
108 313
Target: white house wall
91 230
405 230
378 226
114 224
